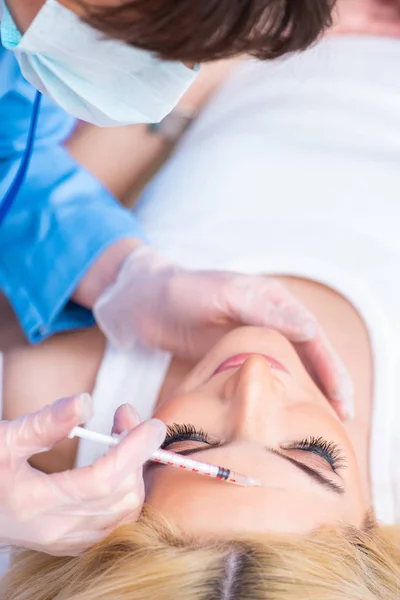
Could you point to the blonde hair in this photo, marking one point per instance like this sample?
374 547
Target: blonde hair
150 560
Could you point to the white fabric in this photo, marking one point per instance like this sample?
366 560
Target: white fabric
294 168
135 377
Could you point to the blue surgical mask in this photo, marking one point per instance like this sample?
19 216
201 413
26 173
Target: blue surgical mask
97 80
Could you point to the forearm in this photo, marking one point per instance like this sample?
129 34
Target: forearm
62 232
103 272
118 156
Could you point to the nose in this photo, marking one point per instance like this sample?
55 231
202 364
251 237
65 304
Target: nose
256 397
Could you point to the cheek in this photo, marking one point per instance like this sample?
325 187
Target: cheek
207 508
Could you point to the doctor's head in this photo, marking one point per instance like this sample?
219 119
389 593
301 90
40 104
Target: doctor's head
120 62
196 32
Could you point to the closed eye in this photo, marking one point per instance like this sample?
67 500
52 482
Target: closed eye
186 433
178 433
313 474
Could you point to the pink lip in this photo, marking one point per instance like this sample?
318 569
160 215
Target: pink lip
239 359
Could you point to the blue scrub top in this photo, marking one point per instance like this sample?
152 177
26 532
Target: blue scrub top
62 219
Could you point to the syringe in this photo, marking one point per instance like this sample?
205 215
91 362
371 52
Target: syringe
173 459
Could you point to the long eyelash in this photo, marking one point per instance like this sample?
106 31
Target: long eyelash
327 450
180 432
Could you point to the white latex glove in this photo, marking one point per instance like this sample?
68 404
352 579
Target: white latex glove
186 312
65 513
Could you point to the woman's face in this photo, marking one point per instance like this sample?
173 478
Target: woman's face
271 422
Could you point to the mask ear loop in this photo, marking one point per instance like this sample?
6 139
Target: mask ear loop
18 180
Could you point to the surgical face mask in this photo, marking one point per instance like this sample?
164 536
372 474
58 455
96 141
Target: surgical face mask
100 81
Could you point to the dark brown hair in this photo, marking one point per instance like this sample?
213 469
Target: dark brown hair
196 31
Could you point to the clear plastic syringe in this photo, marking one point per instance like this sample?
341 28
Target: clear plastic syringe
172 459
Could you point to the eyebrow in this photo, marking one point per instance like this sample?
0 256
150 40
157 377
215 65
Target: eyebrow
316 476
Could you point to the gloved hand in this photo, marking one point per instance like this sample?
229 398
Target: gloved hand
186 312
65 513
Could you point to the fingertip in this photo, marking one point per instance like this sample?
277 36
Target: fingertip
344 398
349 409
304 328
310 330
125 419
346 395
149 435
339 409
78 408
85 407
137 446
129 410
160 429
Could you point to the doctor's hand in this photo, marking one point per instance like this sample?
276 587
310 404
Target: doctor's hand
186 312
66 513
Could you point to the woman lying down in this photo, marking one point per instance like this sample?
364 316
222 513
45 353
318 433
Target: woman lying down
293 171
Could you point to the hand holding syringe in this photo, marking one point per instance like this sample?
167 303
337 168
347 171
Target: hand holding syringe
174 460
